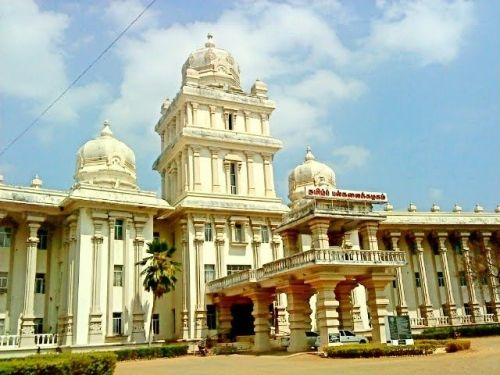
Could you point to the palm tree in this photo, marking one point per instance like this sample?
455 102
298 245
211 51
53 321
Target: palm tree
159 273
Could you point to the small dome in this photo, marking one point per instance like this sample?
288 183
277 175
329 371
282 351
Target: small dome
215 67
106 161
310 173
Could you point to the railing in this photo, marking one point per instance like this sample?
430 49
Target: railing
45 339
465 319
9 341
417 322
488 318
331 256
442 320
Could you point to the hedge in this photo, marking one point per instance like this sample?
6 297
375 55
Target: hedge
457 345
442 333
377 350
165 351
61 364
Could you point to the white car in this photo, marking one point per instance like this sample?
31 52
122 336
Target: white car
312 339
343 337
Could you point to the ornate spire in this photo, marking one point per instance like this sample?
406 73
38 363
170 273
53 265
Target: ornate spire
106 129
309 154
210 41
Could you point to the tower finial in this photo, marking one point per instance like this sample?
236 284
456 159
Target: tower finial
210 41
309 154
106 128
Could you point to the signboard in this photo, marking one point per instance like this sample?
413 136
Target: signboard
399 327
346 195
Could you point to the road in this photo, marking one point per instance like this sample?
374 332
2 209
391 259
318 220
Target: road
482 358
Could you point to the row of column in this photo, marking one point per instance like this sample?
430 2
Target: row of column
450 310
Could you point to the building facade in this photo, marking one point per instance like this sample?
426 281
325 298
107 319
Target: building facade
251 265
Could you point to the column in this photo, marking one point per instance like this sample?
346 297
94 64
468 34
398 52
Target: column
264 119
493 286
27 325
449 307
279 304
195 114
256 254
319 229
402 307
200 312
111 265
185 169
220 225
250 179
95 318
377 303
297 304
289 239
189 115
477 316
261 301
225 317
227 168
369 233
426 309
185 280
212 116
126 306
180 177
327 317
268 175
343 295
70 243
196 168
215 170
246 116
138 330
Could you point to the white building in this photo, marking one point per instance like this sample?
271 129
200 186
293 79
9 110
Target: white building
67 258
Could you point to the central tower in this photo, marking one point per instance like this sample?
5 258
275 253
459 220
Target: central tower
216 167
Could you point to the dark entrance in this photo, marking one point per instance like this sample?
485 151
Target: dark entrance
242 320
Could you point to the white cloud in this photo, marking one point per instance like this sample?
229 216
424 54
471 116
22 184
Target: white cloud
121 12
435 194
351 156
430 31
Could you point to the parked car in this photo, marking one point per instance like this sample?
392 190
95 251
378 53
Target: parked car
311 340
344 337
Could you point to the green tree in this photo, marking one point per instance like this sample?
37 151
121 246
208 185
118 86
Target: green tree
159 273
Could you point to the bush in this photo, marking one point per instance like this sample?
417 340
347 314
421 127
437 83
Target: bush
77 364
442 333
225 349
457 345
165 351
377 350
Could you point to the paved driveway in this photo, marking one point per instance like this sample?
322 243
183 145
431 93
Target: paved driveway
483 358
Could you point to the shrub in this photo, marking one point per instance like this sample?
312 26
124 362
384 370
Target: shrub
377 350
77 364
457 345
442 333
165 351
225 349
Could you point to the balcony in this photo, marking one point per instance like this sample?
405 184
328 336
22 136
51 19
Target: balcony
309 260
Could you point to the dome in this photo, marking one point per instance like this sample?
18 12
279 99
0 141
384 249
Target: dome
310 173
105 161
211 66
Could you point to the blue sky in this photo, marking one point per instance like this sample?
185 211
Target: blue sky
397 96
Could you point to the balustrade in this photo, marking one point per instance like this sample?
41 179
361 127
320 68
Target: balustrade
489 318
9 341
417 322
45 339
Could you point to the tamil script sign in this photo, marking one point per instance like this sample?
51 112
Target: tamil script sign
351 195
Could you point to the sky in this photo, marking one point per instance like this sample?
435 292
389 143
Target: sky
401 97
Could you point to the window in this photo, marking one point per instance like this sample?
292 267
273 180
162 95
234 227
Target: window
232 178
156 236
417 279
238 233
5 236
118 229
4 277
490 308
118 275
440 279
156 324
230 121
461 278
233 268
394 285
211 317
264 234
457 247
483 278
40 283
117 323
209 272
43 239
38 322
209 236
468 309
2 327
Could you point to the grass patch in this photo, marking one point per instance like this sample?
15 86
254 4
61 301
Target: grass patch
377 350
166 351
